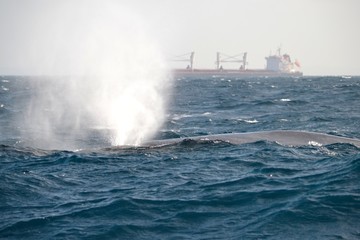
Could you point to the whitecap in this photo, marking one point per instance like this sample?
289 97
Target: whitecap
251 121
180 116
314 144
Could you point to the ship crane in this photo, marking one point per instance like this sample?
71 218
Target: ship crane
187 57
224 58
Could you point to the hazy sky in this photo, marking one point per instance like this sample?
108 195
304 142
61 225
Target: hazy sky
324 35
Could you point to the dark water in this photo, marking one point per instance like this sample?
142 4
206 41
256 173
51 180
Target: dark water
193 190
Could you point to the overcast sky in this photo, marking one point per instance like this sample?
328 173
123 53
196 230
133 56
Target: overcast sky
324 35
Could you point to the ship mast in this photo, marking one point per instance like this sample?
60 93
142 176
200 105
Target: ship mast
187 57
224 58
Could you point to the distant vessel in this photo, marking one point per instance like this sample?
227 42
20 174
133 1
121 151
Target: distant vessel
277 65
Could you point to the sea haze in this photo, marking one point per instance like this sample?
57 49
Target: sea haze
88 189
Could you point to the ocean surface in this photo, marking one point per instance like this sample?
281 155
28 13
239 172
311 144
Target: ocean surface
192 189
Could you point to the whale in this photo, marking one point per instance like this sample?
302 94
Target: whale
282 137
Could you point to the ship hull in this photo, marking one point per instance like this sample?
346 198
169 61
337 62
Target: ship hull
232 73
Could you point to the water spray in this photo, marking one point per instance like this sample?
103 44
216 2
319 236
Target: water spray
105 72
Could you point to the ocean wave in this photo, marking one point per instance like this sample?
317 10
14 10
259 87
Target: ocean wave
194 186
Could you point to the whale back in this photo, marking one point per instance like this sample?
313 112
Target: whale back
283 137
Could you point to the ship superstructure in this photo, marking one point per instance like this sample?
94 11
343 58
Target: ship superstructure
281 63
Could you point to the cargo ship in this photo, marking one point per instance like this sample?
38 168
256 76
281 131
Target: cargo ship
277 65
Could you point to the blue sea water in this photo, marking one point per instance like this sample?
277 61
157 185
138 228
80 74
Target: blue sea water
193 190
